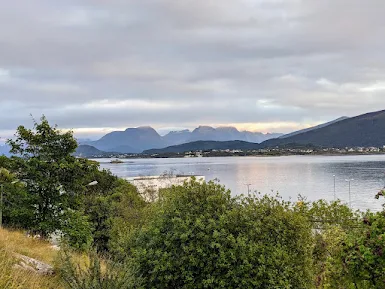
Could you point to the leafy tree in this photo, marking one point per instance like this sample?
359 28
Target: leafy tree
198 236
54 179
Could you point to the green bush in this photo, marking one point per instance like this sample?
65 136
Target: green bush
200 237
330 223
77 230
364 254
112 212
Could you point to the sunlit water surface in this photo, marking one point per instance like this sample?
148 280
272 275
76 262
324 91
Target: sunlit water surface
309 176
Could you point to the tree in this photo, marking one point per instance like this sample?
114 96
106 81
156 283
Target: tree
54 179
198 236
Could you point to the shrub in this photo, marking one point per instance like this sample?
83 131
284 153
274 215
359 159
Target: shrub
364 254
201 237
77 230
111 212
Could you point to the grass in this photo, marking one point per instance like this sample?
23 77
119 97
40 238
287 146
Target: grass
17 242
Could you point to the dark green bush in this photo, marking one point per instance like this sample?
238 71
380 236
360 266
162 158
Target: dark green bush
77 230
201 237
364 254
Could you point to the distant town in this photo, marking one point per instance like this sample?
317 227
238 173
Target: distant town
258 152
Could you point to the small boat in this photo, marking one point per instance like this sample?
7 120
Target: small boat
117 161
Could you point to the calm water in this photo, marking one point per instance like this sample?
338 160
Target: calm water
310 176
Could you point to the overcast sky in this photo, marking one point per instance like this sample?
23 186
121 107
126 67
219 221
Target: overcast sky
267 65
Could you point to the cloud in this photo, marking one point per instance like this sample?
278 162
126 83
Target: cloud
168 63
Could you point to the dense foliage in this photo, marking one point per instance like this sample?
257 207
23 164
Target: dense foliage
51 193
201 237
363 254
53 178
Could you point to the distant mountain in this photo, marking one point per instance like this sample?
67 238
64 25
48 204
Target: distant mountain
228 134
205 145
132 140
177 137
83 140
88 151
204 133
361 131
314 127
258 137
135 140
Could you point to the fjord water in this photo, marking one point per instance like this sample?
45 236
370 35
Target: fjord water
309 176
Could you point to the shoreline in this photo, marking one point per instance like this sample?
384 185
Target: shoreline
176 156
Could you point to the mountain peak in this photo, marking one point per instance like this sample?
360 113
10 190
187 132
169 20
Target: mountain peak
178 131
204 127
227 129
143 128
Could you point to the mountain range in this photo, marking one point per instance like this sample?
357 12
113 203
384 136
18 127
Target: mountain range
367 130
136 140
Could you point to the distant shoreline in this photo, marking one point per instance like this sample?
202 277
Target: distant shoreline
180 156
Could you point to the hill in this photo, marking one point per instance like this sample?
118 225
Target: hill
314 127
361 131
205 145
88 151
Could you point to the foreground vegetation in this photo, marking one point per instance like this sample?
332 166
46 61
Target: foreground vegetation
194 236
16 242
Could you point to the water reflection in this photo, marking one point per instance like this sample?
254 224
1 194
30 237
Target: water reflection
309 176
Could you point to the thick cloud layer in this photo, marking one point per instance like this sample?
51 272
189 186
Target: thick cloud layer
263 64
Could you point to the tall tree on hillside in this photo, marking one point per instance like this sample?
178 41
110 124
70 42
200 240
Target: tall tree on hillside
53 177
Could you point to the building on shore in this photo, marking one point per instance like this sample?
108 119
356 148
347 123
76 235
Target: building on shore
149 186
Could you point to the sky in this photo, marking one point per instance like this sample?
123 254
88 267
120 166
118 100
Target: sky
263 65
